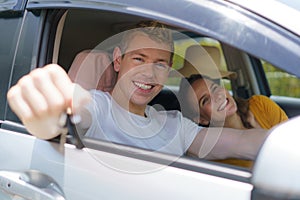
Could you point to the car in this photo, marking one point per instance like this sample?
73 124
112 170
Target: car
256 40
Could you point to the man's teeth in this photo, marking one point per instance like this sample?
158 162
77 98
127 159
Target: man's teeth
222 107
143 86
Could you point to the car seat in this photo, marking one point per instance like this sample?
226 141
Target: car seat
93 69
205 60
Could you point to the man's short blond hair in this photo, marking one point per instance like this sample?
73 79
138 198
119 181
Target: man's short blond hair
153 29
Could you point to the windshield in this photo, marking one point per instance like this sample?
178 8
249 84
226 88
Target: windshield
291 3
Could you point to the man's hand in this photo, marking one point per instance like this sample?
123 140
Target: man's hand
40 99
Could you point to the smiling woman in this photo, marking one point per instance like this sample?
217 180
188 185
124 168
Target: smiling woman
217 108
209 104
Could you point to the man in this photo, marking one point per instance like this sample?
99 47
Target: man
143 61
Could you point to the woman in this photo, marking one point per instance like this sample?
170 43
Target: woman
207 103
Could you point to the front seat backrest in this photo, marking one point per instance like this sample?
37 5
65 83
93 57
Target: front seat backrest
93 69
205 60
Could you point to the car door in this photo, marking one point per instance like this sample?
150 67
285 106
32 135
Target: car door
102 170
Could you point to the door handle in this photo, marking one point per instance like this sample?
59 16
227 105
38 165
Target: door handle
32 185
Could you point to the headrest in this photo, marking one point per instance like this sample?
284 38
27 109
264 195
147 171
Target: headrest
93 69
204 60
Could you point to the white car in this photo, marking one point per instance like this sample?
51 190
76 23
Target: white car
259 40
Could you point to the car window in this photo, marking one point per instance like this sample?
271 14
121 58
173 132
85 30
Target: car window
10 23
95 39
24 58
280 82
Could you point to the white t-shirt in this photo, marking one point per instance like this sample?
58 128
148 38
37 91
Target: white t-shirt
163 131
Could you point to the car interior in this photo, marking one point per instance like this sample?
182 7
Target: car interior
96 27
95 36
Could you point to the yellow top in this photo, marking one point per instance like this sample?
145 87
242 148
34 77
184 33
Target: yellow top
266 112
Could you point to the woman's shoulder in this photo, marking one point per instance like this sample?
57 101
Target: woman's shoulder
261 101
260 98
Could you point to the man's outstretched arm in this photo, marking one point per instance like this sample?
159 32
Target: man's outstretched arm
222 143
41 98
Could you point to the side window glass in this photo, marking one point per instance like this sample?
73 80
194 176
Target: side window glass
26 53
8 35
10 24
281 83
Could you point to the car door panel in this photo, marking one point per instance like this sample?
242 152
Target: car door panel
19 146
29 185
90 174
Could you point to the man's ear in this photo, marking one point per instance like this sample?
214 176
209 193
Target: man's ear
117 57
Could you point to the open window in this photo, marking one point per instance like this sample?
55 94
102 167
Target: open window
98 27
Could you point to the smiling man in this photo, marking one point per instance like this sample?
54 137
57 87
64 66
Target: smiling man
142 60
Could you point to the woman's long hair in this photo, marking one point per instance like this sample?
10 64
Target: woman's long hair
243 111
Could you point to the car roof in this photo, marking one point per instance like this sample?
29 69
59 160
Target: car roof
283 12
286 13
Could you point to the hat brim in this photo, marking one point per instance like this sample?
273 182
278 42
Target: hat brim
183 72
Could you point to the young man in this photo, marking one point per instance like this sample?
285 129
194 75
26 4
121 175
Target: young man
143 61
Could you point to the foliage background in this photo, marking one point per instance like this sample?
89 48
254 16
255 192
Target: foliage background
280 82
